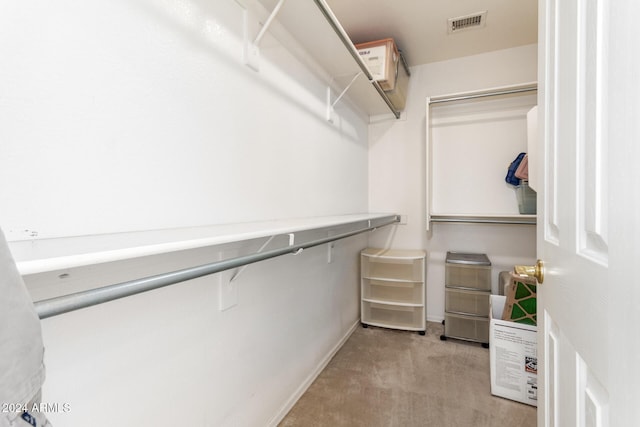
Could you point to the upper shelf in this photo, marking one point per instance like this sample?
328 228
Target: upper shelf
314 26
42 255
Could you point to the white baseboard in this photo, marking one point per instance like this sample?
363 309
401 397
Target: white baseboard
309 380
437 319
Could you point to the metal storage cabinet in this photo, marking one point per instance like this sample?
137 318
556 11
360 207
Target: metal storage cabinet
393 289
467 292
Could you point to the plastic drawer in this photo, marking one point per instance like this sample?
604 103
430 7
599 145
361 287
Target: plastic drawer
461 301
470 328
468 276
393 316
393 291
392 268
526 198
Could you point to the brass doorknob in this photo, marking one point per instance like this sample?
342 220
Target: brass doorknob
536 271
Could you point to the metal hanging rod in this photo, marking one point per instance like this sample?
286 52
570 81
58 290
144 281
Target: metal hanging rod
473 95
480 219
66 303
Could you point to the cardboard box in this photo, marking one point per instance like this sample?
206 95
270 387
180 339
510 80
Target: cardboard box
381 58
521 294
513 356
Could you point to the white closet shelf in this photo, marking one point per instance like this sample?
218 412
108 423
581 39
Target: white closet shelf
316 29
484 218
51 254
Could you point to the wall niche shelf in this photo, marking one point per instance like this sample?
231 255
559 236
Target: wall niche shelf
471 138
317 31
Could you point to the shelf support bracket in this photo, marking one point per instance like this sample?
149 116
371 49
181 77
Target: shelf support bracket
330 104
265 27
292 242
244 267
251 45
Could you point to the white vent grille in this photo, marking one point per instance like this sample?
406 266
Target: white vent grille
475 20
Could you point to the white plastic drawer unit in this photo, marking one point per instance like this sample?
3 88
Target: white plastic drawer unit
471 328
471 271
393 289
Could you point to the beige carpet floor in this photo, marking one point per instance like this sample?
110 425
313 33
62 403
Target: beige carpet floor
383 377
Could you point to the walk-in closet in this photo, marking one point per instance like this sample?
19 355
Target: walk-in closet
317 213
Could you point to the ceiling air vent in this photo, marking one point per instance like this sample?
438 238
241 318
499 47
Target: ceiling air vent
475 20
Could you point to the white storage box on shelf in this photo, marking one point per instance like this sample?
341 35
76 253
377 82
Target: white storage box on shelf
393 289
512 356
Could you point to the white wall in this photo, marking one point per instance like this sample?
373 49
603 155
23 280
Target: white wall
171 357
137 114
131 115
397 170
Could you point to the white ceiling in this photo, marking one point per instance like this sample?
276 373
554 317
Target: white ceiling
419 27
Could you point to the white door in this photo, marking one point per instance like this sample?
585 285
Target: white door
589 214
